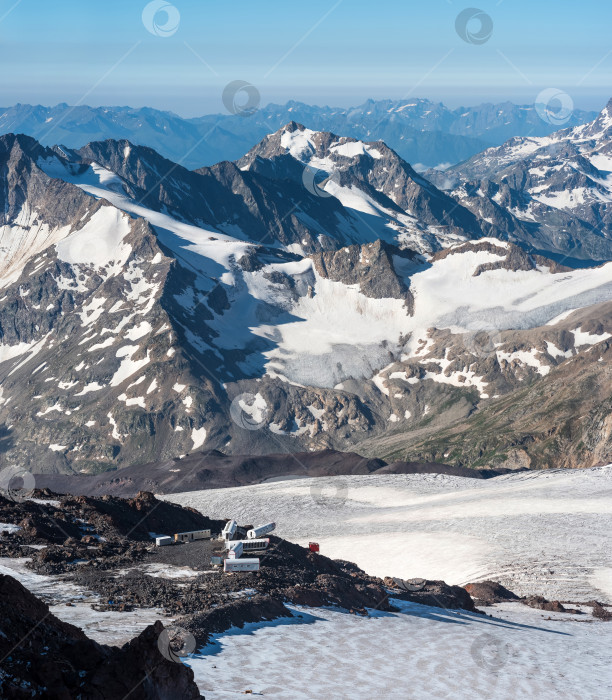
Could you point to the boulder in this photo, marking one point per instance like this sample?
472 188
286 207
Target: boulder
489 592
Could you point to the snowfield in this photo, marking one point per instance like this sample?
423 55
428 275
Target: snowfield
420 652
539 533
544 533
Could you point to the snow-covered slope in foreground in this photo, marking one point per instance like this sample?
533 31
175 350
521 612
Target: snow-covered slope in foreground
545 533
420 652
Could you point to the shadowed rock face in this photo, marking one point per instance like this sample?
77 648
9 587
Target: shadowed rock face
235 614
372 268
54 201
74 666
438 594
415 208
264 196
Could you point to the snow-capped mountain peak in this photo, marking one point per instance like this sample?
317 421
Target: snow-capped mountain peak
553 193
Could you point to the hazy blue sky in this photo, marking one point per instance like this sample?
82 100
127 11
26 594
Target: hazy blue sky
100 53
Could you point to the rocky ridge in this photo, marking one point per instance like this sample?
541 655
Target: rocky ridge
212 470
43 657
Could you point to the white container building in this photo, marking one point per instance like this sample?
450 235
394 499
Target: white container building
229 530
192 535
163 541
260 531
236 565
235 550
250 545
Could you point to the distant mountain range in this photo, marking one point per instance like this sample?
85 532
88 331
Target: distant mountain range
316 294
556 189
424 133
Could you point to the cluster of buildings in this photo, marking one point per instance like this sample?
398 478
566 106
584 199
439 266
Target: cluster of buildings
254 542
235 547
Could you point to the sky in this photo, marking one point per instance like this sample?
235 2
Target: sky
332 52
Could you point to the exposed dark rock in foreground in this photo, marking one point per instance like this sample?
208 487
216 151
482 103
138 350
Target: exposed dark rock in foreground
213 470
235 614
437 594
43 657
489 592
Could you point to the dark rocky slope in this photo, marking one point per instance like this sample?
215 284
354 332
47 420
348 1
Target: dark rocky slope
43 657
95 529
211 470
